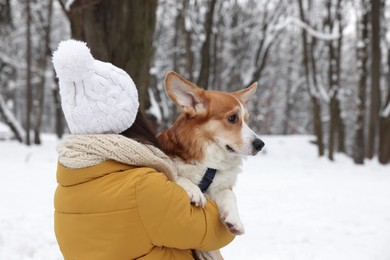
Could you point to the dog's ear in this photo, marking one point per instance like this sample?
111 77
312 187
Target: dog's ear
185 94
246 94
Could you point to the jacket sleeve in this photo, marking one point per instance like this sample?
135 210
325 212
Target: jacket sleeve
172 221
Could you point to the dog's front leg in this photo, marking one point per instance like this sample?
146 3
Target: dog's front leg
193 191
227 206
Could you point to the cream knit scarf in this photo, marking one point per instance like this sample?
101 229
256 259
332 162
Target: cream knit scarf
80 151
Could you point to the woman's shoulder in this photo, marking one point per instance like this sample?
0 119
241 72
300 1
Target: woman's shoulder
150 179
154 185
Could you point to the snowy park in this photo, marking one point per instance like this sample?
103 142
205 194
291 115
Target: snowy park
294 205
310 78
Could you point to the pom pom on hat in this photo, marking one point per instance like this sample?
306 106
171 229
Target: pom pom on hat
73 61
96 97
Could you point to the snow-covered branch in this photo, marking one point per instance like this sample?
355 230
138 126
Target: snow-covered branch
11 120
386 111
311 31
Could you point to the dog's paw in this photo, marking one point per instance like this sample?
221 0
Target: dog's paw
194 193
233 223
211 255
236 229
197 197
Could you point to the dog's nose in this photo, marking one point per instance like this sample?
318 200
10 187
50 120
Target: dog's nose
258 144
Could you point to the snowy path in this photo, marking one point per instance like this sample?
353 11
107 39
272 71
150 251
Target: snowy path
294 205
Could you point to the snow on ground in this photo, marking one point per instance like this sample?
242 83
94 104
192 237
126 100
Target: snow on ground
27 184
294 205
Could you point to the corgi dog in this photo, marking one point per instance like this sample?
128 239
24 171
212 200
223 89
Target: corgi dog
211 132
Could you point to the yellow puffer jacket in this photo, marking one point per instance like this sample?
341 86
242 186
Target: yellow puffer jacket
115 211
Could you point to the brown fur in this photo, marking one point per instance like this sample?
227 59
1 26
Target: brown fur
190 132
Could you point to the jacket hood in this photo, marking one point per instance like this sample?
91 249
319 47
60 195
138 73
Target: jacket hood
68 177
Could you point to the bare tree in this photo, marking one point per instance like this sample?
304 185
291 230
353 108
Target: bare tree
311 81
188 41
336 126
204 74
28 73
183 57
269 32
384 117
362 56
42 64
7 75
375 78
384 129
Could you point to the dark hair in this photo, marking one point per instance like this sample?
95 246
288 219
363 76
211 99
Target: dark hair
142 131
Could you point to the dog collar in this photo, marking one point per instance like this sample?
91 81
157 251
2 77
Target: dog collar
207 179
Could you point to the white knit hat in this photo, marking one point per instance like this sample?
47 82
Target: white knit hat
97 97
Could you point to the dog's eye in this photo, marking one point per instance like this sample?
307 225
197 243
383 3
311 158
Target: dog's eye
233 119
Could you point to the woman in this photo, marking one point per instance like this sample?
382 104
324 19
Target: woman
116 197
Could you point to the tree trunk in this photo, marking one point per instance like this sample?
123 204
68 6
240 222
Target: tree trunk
340 129
339 119
5 14
28 73
384 139
41 85
318 125
190 56
235 50
204 74
361 53
375 78
333 87
215 64
120 32
59 122
336 126
179 24
384 123
312 89
332 128
182 43
188 44
289 98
